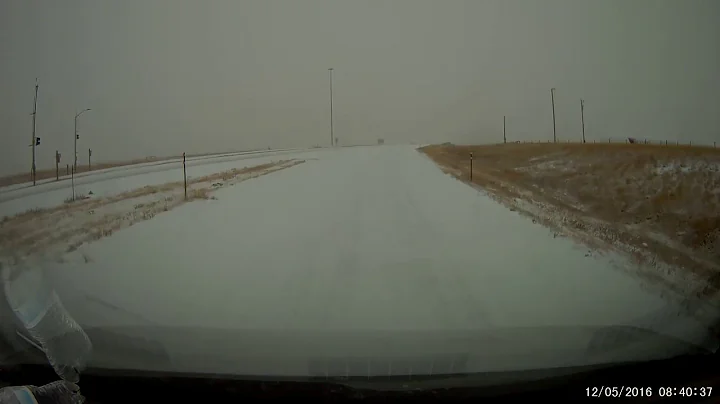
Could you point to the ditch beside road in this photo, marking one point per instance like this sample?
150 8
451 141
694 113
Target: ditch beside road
659 205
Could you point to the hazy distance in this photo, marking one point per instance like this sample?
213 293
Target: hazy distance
167 76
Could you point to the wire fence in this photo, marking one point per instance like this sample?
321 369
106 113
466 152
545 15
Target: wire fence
627 140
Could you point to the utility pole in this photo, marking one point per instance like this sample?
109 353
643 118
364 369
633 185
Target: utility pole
332 131
504 137
552 97
582 117
89 154
34 141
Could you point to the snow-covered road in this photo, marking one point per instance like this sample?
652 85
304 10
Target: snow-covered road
366 238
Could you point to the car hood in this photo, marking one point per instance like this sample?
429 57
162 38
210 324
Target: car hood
350 353
124 341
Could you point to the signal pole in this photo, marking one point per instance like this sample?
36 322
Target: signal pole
77 136
34 113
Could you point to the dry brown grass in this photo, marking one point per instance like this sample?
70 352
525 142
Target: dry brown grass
229 174
635 191
199 193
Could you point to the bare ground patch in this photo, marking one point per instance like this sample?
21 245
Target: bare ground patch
659 205
64 228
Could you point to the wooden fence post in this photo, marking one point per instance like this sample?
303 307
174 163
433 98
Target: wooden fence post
471 166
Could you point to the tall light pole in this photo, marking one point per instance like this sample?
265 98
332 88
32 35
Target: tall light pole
34 140
332 129
552 97
77 136
582 117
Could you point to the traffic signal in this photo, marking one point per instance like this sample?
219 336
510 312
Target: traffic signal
37 141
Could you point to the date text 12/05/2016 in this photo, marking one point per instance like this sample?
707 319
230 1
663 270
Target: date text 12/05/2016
630 391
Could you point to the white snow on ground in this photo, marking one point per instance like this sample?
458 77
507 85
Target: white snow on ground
371 238
687 167
122 179
554 165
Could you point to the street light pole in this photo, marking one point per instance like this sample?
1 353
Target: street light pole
552 96
34 141
76 136
332 129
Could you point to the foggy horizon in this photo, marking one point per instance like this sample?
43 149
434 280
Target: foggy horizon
171 76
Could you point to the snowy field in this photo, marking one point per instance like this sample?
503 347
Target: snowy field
362 238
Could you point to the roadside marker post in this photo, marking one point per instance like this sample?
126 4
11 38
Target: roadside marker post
184 176
504 137
471 158
57 165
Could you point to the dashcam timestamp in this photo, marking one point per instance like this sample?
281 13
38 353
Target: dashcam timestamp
618 391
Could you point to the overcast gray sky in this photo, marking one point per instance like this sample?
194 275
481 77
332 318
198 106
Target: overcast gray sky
167 76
